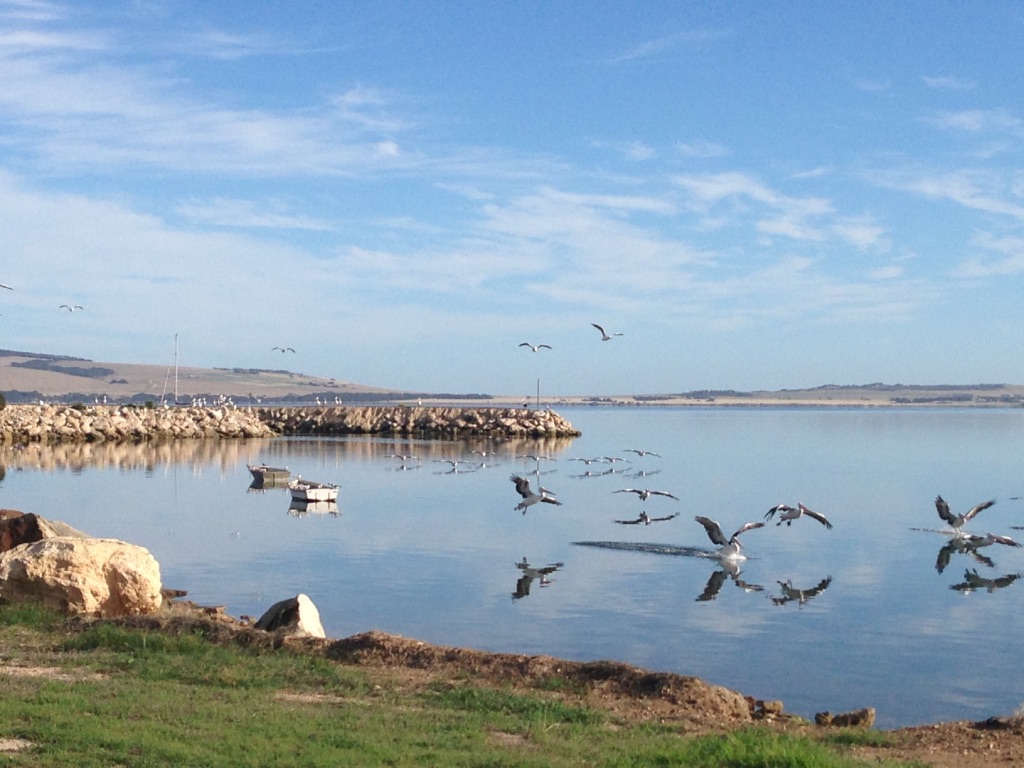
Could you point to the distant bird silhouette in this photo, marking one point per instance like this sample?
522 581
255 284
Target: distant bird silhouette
529 497
70 307
646 493
282 349
646 519
789 514
4 285
731 548
604 335
956 522
639 452
534 347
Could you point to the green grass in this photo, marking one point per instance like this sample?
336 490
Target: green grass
128 697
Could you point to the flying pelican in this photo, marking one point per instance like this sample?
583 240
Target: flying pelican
639 452
282 349
646 493
588 462
405 457
973 541
956 522
728 549
70 308
529 497
646 519
535 347
604 335
789 514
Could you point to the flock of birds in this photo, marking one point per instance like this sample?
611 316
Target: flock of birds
68 307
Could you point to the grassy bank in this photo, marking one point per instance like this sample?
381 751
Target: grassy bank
109 695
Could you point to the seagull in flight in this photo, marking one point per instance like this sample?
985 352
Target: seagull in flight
956 522
535 347
646 493
731 548
639 452
529 497
282 350
646 519
604 335
789 514
70 307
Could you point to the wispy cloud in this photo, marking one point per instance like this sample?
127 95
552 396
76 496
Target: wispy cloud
660 45
224 212
702 150
975 189
979 120
999 257
947 83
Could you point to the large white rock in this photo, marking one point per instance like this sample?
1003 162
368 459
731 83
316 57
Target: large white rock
296 615
99 577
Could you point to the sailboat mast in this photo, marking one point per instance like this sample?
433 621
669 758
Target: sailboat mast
175 369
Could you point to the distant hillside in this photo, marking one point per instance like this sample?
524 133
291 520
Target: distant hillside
30 377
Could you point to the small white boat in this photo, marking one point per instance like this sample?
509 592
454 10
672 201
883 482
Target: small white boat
307 490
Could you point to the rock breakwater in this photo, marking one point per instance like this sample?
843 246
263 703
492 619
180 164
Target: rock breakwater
417 420
44 423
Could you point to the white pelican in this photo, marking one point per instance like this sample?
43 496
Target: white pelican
529 497
535 347
731 548
973 541
405 457
646 519
639 452
70 308
604 335
282 350
646 493
588 462
956 522
789 514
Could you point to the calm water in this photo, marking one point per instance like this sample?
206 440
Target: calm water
425 552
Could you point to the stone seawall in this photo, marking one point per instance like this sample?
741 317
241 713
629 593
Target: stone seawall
29 423
418 420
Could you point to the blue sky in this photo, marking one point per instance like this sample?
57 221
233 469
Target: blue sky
757 195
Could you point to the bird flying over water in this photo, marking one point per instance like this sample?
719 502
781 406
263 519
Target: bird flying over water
534 347
789 514
639 452
604 335
529 497
282 349
70 307
956 522
646 519
730 548
646 493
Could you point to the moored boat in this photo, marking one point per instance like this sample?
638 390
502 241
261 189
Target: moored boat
267 474
307 490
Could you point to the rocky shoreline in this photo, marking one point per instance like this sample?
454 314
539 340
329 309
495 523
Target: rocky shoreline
45 423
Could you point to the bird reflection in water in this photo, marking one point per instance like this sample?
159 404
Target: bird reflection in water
973 582
791 594
726 570
529 573
959 546
646 519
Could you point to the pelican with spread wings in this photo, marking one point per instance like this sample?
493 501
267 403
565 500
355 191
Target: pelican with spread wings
728 548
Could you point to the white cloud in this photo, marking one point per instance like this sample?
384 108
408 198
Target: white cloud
948 83
702 150
224 212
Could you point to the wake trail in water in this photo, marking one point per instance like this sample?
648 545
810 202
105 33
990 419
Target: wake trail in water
656 549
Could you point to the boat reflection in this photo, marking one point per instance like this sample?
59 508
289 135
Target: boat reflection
726 571
298 508
973 582
529 574
791 594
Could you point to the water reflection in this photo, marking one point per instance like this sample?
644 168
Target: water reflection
531 573
299 508
959 546
727 570
973 582
792 594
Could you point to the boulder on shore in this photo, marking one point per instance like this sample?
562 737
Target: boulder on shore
295 616
99 577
